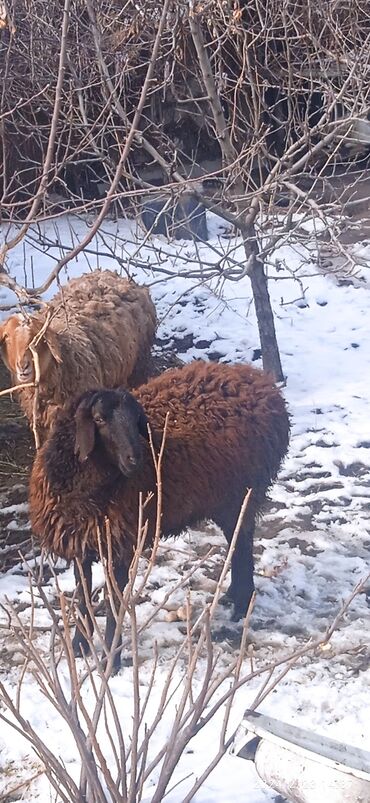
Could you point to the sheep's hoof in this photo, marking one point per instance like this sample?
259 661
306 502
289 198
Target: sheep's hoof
80 647
226 600
117 664
240 610
238 614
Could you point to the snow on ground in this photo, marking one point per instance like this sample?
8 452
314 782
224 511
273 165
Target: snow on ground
312 546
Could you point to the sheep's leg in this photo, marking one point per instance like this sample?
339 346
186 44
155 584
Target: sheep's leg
121 578
80 643
242 565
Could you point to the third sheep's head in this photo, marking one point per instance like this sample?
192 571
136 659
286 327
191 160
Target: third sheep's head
16 335
111 421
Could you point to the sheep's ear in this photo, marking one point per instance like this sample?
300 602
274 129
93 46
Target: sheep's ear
85 431
143 423
3 330
52 341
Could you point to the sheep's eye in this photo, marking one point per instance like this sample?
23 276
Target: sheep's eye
99 420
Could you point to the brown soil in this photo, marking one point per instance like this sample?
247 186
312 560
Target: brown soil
16 444
16 454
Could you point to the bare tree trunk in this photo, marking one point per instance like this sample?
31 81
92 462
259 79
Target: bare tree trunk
265 318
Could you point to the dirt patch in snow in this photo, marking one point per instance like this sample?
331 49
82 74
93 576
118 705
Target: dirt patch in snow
16 455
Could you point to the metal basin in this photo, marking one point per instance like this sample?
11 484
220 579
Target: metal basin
301 765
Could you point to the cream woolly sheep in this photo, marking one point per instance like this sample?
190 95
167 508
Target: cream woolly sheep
100 335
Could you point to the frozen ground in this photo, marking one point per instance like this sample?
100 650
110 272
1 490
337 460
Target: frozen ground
312 546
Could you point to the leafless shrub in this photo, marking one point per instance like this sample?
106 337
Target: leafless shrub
115 761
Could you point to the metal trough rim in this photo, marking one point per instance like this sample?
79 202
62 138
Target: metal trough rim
322 749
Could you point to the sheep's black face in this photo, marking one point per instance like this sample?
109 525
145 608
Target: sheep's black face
112 420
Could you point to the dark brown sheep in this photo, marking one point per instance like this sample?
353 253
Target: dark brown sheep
228 431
